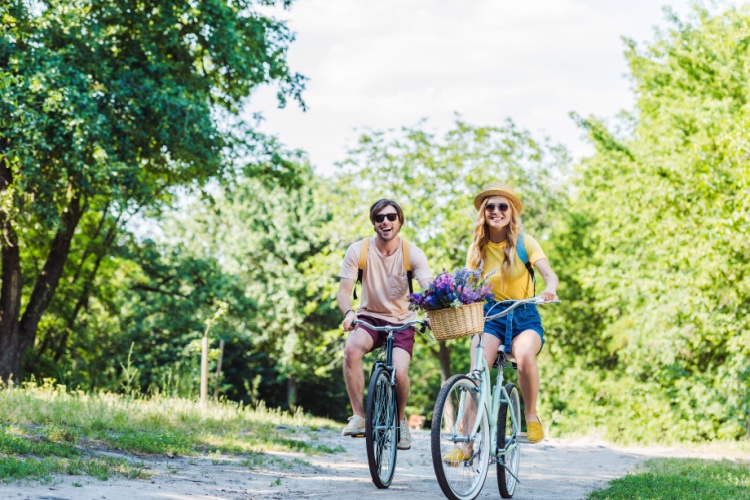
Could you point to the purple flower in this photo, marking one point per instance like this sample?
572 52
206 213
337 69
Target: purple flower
451 290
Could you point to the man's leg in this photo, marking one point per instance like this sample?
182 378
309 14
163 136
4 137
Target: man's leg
358 343
401 360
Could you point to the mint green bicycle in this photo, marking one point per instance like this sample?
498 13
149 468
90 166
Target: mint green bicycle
475 426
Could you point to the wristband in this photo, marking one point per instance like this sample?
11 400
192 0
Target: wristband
349 311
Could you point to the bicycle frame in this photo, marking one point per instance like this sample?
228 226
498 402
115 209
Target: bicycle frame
491 404
387 348
388 364
496 395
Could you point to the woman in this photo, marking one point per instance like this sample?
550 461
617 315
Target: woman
497 232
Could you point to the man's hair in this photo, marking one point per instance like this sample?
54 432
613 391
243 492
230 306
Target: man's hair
381 204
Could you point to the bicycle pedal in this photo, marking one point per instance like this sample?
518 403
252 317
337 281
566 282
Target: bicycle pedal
359 436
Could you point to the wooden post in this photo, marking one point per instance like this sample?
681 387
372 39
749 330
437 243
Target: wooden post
204 369
217 377
220 311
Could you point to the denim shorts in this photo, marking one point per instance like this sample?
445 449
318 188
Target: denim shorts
507 328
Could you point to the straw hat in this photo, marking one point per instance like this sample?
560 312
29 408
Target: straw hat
497 189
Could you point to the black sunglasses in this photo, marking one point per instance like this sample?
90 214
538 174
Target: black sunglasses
502 207
381 217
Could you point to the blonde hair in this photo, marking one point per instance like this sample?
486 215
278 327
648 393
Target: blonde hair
482 238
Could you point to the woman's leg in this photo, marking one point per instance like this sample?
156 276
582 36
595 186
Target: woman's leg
491 343
524 348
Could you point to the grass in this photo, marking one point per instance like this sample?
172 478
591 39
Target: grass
683 479
46 429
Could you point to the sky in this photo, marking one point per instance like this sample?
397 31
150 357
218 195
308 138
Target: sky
387 64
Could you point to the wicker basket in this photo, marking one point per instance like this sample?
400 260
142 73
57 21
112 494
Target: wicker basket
455 322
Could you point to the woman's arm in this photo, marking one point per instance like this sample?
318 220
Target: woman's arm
550 279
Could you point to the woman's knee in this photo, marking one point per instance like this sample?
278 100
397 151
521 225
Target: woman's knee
525 359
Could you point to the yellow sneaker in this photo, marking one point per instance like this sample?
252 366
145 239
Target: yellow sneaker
534 432
455 457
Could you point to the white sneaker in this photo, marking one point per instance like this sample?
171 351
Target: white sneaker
404 442
355 427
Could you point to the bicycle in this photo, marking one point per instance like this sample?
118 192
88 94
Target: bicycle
381 409
495 425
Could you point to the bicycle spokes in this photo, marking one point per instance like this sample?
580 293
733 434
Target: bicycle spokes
460 439
508 430
381 430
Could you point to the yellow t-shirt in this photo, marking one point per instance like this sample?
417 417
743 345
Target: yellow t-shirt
518 285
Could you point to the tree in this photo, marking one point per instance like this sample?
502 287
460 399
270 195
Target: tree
666 208
263 235
107 106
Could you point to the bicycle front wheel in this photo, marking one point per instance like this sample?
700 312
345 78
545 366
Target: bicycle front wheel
460 459
509 452
381 428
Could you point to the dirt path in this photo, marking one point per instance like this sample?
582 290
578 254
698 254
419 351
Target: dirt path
559 469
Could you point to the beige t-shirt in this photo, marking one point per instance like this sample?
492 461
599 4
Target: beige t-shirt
385 287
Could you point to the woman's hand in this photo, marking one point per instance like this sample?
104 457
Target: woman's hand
548 295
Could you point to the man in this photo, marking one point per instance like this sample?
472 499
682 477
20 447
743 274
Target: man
385 289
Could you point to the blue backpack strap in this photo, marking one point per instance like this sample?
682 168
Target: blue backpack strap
521 251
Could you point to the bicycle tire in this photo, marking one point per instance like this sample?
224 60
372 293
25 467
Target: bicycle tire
507 434
464 479
381 427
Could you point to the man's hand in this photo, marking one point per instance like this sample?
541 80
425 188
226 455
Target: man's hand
346 325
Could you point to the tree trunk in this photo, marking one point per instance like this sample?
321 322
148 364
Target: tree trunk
10 292
83 300
16 336
217 377
204 370
291 393
443 355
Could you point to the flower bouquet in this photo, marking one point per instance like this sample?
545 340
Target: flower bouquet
454 303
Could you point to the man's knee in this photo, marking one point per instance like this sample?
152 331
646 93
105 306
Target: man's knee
402 375
353 355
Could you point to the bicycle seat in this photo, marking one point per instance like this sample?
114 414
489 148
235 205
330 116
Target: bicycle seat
508 355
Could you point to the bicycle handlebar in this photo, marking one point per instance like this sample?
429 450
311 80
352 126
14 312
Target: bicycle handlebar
394 328
517 303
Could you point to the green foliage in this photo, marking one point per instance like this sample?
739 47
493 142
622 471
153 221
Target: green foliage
687 479
150 425
107 108
648 235
655 248
39 456
262 236
115 99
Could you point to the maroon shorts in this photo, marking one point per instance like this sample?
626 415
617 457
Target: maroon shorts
403 339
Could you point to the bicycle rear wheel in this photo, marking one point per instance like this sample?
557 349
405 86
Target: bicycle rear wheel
460 461
508 430
381 427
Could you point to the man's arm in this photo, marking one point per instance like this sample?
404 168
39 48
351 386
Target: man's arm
344 300
425 282
421 267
